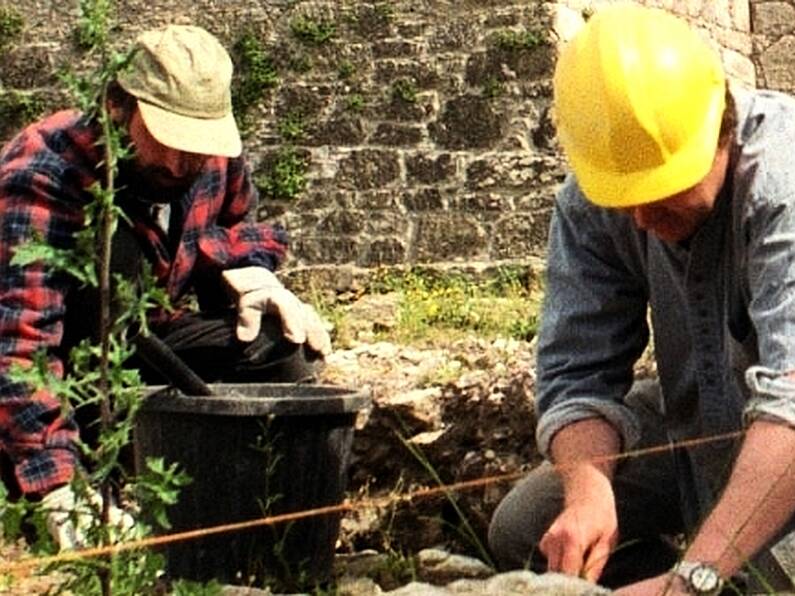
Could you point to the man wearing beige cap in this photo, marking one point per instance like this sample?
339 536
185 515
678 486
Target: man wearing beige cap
189 202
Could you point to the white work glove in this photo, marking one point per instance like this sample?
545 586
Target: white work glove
258 291
70 517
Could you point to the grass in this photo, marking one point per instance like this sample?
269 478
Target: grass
437 308
465 529
450 305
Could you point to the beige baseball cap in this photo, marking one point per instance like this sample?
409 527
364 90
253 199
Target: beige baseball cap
181 76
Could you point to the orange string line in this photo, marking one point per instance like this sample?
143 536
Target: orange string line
363 503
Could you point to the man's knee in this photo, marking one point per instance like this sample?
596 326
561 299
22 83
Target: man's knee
522 518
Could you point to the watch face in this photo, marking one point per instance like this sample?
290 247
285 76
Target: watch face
704 578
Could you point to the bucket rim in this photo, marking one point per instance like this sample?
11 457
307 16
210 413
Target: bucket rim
276 399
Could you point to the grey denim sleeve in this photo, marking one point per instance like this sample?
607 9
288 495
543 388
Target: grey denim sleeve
767 182
771 271
593 325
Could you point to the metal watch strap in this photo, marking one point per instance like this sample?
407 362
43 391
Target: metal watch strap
701 579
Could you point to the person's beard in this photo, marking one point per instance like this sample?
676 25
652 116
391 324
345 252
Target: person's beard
151 184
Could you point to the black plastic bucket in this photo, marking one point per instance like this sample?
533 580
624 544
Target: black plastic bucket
253 450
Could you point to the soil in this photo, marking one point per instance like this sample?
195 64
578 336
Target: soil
475 422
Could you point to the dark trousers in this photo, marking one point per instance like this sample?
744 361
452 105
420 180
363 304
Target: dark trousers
648 510
205 341
208 344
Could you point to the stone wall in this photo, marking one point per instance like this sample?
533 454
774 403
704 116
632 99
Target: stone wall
774 43
409 131
726 22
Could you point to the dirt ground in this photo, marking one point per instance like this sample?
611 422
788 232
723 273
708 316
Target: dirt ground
440 415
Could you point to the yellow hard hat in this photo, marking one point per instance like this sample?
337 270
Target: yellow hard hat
639 98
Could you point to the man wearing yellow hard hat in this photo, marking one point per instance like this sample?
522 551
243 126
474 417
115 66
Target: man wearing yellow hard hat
681 201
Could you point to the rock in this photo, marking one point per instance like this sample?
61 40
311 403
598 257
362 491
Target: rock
514 583
244 591
440 567
419 589
358 564
526 583
419 404
359 586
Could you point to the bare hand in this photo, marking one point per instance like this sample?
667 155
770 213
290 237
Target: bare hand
582 537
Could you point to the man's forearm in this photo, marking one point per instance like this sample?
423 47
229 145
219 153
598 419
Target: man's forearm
757 502
584 448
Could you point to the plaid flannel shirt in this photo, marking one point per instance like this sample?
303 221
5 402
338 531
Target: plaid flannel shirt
45 172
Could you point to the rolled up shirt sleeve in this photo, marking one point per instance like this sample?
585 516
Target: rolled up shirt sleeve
594 324
773 396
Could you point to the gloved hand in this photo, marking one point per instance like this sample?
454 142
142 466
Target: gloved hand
69 517
259 291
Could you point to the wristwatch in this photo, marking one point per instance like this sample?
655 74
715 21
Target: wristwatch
701 578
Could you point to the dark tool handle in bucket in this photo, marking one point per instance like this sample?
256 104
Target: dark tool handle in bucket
157 354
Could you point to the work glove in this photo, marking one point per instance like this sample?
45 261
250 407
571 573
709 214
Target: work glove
69 517
258 292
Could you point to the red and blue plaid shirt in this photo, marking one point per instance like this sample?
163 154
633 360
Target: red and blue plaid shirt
45 172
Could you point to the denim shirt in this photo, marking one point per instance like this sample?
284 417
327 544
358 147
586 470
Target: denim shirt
722 308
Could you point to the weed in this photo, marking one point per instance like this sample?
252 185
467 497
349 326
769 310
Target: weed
404 90
255 74
384 11
493 87
311 31
300 62
355 102
93 23
345 70
396 569
291 128
11 23
159 487
465 528
446 372
286 178
18 108
341 334
513 41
